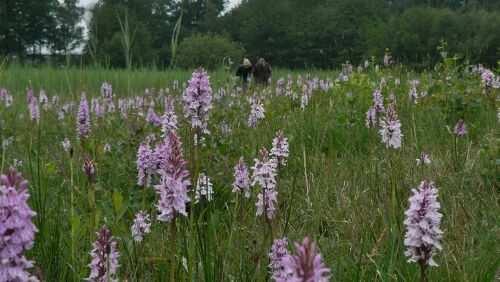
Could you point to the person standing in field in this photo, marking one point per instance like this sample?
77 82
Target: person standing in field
244 71
262 72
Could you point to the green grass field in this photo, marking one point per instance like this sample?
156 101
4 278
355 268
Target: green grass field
342 186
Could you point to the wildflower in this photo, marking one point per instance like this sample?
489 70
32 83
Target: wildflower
107 148
34 109
83 118
169 118
204 189
3 93
152 117
387 58
104 264
139 102
44 100
17 231
257 112
397 82
376 108
5 97
280 87
145 164
198 100
174 182
106 91
89 169
378 101
241 178
66 144
123 106
423 234
460 129
413 93
423 159
371 117
264 175
225 128
17 163
141 226
390 128
278 252
280 148
487 77
55 100
110 105
307 92
306 265
96 108
29 94
7 142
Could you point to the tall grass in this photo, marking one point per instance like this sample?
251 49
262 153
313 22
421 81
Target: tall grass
341 185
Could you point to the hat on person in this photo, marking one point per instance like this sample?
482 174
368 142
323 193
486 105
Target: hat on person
246 62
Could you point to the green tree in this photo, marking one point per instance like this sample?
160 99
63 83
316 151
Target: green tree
208 51
67 34
31 26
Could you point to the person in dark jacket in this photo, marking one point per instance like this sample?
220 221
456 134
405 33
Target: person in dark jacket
244 71
262 72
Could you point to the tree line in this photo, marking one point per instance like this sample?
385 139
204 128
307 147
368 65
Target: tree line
288 33
31 27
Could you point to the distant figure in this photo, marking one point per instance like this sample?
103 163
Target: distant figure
262 72
244 71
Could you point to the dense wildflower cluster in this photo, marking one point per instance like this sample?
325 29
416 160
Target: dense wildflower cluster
423 234
306 265
83 118
390 128
241 182
264 175
280 148
104 263
279 250
204 189
141 226
198 100
17 231
174 182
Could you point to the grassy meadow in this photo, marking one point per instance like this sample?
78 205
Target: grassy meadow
342 186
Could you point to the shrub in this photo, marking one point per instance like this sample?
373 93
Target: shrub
207 50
